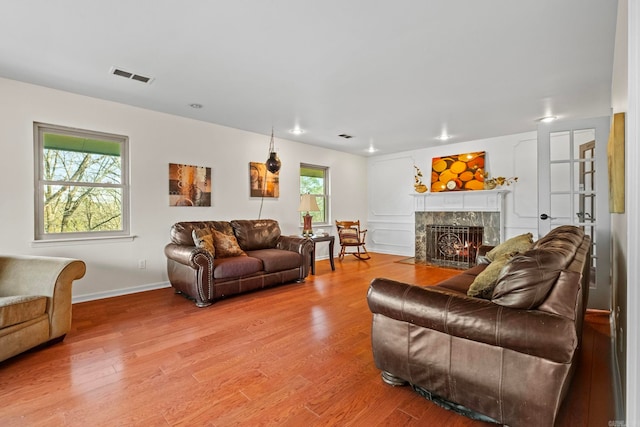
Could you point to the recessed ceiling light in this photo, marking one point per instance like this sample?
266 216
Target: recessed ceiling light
547 119
371 149
296 131
444 137
196 106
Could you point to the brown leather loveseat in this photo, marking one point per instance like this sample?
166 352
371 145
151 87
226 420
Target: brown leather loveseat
508 356
208 260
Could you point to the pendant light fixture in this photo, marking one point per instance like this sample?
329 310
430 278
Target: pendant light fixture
273 162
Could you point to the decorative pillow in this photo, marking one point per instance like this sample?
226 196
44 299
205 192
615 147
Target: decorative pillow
483 284
521 243
226 245
349 235
527 278
203 238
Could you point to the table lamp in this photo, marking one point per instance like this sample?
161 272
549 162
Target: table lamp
307 204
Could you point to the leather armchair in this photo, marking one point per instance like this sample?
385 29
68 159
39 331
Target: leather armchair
35 301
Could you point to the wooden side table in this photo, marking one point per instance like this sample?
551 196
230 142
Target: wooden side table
315 240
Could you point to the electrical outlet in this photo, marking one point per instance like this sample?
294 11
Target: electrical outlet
142 264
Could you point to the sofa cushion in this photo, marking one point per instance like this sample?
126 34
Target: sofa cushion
233 267
226 246
21 308
256 234
527 278
565 236
519 243
277 259
485 282
460 282
203 238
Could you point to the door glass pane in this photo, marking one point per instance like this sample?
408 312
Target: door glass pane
560 177
580 137
560 145
584 207
561 209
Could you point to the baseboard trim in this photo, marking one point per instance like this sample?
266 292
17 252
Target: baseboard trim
119 292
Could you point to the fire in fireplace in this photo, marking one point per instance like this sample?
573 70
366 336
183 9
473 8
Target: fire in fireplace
452 245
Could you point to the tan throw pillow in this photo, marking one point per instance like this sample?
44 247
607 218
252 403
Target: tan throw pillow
521 243
226 245
204 239
485 282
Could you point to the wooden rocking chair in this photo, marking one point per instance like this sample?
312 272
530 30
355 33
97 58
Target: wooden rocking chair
351 236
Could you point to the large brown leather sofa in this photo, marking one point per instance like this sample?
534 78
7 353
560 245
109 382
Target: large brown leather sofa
510 357
267 259
35 300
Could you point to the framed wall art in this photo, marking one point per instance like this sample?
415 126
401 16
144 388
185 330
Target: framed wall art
263 183
189 185
459 172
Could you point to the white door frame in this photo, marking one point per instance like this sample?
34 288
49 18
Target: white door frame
600 292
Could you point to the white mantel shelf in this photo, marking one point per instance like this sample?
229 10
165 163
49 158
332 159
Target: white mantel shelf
456 201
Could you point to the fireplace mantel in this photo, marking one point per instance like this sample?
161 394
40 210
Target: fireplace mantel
461 201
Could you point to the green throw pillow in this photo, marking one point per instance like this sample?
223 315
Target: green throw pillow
485 282
521 243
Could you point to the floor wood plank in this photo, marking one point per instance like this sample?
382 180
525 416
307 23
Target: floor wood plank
298 354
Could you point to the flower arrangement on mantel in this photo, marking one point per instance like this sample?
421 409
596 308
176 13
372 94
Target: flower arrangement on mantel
499 181
419 186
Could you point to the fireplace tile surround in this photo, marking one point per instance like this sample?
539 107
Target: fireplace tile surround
475 208
490 221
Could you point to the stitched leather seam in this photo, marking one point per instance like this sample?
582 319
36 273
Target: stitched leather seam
500 405
404 299
498 323
446 315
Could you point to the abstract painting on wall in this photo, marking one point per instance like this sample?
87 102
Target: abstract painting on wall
262 182
459 172
189 185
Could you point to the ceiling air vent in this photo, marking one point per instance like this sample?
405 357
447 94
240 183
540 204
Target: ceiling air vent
345 136
131 76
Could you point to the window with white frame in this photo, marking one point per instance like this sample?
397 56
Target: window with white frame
313 180
82 187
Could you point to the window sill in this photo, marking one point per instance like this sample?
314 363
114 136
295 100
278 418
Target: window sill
82 241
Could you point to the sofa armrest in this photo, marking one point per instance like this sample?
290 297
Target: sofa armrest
295 244
300 245
185 255
481 254
48 276
526 331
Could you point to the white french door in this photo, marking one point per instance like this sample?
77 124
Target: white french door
573 188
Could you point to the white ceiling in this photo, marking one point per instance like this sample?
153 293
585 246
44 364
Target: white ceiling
394 74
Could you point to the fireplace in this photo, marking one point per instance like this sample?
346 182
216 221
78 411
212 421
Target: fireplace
452 245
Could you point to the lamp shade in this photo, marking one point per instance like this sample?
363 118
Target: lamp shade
308 203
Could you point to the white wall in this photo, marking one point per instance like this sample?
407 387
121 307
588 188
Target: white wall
155 140
632 207
619 233
391 178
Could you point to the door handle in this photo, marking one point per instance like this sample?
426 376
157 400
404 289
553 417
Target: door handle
544 217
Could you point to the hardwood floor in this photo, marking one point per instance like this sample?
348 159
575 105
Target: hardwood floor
298 354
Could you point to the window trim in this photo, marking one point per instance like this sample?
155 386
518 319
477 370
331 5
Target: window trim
325 196
39 129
